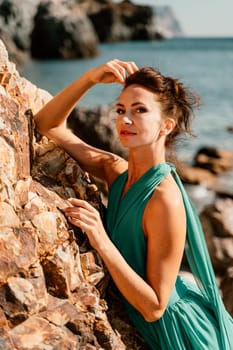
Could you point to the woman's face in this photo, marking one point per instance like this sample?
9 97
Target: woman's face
139 117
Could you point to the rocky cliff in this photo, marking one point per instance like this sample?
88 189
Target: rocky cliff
166 23
74 28
52 283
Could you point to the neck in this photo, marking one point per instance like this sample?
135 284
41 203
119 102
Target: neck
141 160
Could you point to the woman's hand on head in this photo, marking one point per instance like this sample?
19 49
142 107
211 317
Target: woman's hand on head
83 215
114 71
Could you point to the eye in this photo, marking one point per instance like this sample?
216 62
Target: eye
119 111
141 110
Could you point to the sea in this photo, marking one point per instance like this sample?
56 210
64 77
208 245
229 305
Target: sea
204 65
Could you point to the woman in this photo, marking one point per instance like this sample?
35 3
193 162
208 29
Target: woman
150 220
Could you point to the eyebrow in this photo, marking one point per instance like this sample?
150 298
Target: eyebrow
133 104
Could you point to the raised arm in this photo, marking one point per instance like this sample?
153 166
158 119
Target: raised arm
51 119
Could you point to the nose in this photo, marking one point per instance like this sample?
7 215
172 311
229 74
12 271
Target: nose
127 118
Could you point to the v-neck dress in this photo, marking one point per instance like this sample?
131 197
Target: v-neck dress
195 318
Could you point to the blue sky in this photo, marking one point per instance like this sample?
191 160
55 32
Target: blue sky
201 17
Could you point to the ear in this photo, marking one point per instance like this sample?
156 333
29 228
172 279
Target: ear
168 126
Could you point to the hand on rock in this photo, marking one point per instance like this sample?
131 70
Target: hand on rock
85 216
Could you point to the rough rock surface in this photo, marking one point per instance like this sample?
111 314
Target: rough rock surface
52 283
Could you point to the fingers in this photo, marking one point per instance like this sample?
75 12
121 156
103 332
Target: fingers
87 218
79 217
114 71
117 70
79 223
81 212
130 67
78 208
80 203
120 68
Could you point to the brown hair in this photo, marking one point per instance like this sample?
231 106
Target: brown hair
176 101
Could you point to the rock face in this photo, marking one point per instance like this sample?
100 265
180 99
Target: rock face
129 22
74 28
51 282
166 23
16 20
62 32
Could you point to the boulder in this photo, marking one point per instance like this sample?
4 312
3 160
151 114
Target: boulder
217 222
223 186
62 32
16 20
124 20
16 55
213 159
195 174
212 168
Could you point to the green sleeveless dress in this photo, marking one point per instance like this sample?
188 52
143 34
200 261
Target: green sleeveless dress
195 317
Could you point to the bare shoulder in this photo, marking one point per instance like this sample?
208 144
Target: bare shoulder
167 194
166 206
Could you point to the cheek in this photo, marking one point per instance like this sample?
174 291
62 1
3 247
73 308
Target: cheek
117 125
153 129
153 125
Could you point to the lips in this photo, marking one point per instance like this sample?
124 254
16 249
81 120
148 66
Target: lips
127 132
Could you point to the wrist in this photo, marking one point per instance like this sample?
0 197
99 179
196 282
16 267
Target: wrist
90 77
105 247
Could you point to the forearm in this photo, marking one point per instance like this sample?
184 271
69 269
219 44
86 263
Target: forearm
56 111
135 290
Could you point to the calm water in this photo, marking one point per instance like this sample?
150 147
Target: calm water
204 65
